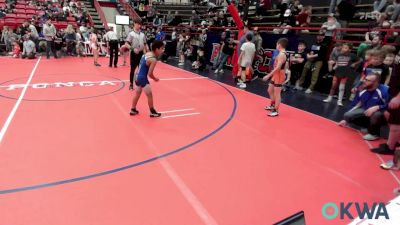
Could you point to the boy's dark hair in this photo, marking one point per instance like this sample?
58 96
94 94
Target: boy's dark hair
249 37
283 42
157 45
301 42
350 45
137 20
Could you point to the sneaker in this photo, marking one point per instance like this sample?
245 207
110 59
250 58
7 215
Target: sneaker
221 71
216 71
298 88
308 91
389 165
328 99
339 103
370 137
274 113
383 149
133 112
96 64
270 108
154 113
242 86
131 87
181 64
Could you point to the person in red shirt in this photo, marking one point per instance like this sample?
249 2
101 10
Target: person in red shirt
16 50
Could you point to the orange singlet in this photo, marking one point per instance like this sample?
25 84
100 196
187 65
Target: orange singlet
279 76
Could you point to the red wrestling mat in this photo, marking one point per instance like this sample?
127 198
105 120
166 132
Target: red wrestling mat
71 154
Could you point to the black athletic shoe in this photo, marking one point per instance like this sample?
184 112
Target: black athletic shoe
383 149
131 87
133 112
154 113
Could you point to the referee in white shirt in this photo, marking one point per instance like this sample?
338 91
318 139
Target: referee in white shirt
138 43
112 38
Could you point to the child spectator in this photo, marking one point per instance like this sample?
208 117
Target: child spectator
389 62
200 63
28 49
346 63
334 54
297 62
16 50
377 66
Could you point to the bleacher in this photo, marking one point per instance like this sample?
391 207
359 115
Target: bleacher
24 12
318 17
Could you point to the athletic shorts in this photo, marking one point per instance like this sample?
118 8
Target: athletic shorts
278 79
142 82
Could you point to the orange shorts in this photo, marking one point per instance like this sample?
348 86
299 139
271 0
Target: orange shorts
278 78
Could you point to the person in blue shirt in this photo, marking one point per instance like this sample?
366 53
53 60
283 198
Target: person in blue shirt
146 68
369 106
160 35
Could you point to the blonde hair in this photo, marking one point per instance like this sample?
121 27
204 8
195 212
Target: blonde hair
69 29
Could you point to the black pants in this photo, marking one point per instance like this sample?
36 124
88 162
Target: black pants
135 60
29 56
50 46
113 52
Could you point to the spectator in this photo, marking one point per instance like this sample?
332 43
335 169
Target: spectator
297 62
376 65
395 8
245 61
334 54
304 17
84 30
368 107
203 38
194 19
49 32
28 49
346 11
224 35
346 62
379 5
70 40
160 34
295 7
257 39
288 21
329 28
200 63
263 7
176 20
33 33
376 43
169 18
389 63
282 6
157 21
315 60
228 47
16 50
243 39
393 116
